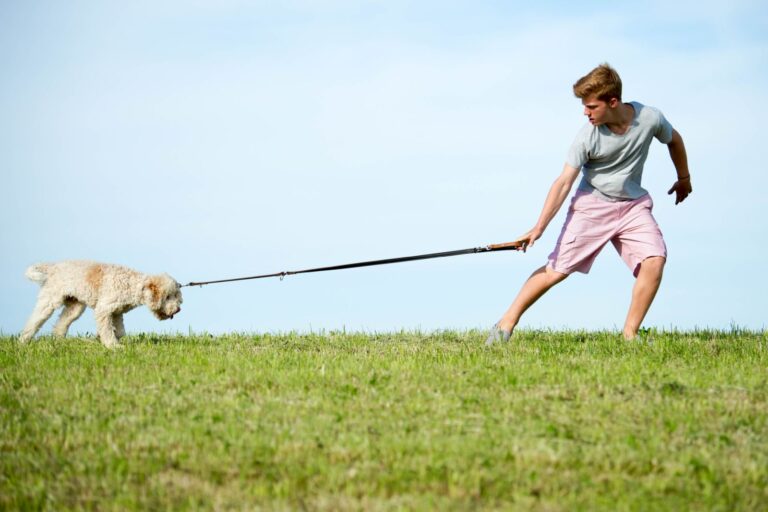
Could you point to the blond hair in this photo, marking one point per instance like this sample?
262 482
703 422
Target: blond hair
603 82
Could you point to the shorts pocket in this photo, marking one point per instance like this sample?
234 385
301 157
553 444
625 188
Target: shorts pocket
575 252
577 240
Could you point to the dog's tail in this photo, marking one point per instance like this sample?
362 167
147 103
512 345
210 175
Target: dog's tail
38 273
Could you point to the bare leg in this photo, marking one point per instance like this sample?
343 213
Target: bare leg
106 328
42 312
643 293
537 285
72 311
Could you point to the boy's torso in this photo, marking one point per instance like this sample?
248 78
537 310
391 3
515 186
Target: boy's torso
611 163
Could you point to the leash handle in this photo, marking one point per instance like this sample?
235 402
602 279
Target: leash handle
507 246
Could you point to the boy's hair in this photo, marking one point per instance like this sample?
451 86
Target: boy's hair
603 82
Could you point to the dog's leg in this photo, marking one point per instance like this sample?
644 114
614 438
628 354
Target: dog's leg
106 328
72 311
42 312
117 320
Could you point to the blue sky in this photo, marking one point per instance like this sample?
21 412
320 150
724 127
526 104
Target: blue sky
219 139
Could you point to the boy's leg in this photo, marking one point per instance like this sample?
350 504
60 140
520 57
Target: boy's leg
643 293
584 234
537 285
641 246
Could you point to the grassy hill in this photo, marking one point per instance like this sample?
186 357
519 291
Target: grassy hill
387 421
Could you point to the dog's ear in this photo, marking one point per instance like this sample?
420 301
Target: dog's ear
152 293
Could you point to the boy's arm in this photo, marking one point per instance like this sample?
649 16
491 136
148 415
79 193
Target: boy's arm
682 186
557 194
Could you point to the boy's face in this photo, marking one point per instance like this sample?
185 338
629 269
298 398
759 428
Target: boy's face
599 111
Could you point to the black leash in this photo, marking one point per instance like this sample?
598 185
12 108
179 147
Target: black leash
510 246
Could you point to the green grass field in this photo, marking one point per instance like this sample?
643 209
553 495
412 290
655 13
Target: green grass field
403 421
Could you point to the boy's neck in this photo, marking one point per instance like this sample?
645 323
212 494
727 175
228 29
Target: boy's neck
624 115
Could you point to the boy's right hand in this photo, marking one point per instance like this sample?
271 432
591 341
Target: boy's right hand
530 237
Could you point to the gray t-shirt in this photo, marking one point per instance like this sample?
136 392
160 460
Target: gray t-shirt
611 164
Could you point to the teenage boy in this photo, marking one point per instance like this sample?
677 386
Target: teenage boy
609 204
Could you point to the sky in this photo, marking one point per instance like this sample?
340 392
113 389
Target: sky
217 139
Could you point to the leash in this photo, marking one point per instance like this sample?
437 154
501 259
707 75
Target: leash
509 246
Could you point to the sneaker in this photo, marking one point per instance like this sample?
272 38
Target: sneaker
497 336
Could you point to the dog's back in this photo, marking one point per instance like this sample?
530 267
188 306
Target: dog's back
69 270
86 281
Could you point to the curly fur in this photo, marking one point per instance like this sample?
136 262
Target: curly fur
110 290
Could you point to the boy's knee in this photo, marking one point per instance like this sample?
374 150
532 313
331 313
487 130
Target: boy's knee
654 264
553 276
656 261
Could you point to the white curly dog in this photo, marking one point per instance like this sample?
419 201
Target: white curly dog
111 290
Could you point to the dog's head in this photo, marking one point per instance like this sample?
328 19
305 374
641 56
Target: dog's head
162 295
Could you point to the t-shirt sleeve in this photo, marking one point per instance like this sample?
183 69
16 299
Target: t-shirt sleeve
577 154
663 130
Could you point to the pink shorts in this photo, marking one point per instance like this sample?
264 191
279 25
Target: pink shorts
592 222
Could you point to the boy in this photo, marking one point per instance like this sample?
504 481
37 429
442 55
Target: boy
609 204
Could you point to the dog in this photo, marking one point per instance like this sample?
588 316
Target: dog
110 290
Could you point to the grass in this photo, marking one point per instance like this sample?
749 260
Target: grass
401 421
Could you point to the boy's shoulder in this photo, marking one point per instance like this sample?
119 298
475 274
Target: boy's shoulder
646 111
653 120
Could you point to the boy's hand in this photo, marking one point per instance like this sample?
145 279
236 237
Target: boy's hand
681 188
530 237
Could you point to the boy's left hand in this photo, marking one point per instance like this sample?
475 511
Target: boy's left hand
682 189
